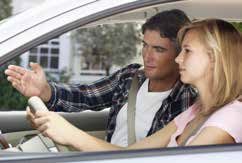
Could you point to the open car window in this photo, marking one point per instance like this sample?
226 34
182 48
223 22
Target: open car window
57 44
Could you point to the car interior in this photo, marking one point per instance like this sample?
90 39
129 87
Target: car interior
17 131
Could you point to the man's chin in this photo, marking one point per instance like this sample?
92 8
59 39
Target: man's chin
149 74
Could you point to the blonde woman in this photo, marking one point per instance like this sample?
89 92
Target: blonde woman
211 61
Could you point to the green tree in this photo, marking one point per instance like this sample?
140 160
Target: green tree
5 9
238 25
108 44
10 99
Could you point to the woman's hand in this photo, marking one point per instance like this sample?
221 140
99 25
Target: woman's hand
54 126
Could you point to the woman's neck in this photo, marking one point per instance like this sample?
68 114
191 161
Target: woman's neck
205 96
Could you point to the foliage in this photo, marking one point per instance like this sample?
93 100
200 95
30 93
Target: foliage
62 77
238 26
108 44
5 9
10 98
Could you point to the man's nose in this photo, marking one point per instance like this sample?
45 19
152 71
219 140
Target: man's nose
148 53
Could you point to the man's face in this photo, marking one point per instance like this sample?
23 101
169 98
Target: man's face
159 56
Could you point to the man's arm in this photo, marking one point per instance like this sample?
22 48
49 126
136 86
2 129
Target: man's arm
79 97
33 83
95 96
29 82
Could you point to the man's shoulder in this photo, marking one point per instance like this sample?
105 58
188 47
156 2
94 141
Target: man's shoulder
183 91
131 70
189 88
186 87
127 73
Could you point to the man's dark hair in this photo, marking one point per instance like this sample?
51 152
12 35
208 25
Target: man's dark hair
168 23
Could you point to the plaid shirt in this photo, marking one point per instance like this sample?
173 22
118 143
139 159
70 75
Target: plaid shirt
113 92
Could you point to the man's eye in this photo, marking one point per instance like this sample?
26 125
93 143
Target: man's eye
144 45
159 50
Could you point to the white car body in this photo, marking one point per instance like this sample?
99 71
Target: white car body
53 18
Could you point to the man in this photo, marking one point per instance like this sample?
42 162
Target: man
160 98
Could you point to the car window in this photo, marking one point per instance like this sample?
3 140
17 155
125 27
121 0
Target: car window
80 56
77 57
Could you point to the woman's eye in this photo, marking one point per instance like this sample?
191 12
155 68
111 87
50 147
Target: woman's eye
187 50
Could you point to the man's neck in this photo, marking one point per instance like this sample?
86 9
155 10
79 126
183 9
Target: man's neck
161 85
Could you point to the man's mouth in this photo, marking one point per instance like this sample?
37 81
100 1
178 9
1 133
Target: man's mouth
150 66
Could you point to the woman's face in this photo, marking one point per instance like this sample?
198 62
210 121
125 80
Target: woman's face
194 61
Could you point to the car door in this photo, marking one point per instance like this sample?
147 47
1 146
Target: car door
87 14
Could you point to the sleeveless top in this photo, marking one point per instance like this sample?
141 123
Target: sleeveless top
227 118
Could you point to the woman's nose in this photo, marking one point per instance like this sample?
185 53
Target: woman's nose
179 58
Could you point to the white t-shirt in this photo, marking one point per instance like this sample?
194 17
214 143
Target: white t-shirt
147 104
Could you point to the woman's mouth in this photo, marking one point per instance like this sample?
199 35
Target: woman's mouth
181 69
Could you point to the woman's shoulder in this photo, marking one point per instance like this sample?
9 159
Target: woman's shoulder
234 107
228 118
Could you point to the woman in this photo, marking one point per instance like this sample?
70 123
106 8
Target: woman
211 61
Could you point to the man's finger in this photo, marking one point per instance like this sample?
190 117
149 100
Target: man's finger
17 86
18 69
13 74
13 80
36 67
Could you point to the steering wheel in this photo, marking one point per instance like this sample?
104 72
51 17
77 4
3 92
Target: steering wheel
35 103
34 143
40 143
3 142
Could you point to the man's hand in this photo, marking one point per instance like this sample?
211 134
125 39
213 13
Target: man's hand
29 82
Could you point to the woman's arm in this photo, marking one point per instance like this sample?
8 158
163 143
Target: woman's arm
85 142
212 135
159 139
61 131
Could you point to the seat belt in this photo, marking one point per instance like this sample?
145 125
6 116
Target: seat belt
194 130
131 110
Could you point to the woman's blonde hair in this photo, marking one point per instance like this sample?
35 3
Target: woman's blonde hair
225 44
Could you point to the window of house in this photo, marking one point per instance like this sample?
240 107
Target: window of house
46 55
54 51
44 50
54 62
55 43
